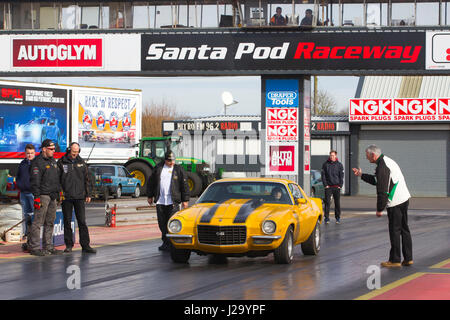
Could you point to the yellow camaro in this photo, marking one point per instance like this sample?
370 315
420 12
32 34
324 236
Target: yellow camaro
248 217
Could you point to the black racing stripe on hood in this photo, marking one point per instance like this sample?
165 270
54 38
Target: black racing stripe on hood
209 214
246 209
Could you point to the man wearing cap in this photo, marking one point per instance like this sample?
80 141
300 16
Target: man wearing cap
44 180
168 187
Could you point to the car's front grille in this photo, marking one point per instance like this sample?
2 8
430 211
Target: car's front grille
221 235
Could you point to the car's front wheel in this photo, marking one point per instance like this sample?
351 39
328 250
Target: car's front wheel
284 254
180 255
311 247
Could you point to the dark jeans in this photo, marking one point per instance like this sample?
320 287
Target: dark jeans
398 227
45 216
164 213
27 201
336 193
67 207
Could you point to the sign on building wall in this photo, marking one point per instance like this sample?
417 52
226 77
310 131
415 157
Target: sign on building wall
399 110
282 131
438 50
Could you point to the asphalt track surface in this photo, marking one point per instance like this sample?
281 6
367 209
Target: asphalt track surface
137 270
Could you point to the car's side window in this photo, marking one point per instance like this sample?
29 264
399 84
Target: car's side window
296 191
121 172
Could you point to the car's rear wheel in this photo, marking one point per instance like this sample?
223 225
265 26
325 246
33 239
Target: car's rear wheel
137 192
180 255
284 254
311 247
118 192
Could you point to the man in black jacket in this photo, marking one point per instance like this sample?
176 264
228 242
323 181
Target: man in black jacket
26 197
168 187
333 180
75 182
45 187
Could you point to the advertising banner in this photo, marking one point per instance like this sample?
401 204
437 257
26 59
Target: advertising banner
438 51
29 115
399 110
304 51
282 159
107 119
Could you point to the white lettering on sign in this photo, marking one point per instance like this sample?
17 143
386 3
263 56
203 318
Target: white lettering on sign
158 51
282 115
281 158
261 53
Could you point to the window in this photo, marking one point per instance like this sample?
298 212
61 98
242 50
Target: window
296 191
90 17
141 15
104 170
2 15
68 19
121 172
21 15
47 18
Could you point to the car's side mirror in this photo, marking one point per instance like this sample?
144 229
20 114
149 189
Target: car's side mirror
301 201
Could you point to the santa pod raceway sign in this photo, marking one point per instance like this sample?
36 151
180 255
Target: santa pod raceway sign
299 51
399 110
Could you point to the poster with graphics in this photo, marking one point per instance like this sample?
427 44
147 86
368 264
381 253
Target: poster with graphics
110 119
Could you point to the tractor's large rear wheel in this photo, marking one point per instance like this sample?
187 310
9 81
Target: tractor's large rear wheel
195 184
142 172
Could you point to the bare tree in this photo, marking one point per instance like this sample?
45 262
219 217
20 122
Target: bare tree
155 113
326 104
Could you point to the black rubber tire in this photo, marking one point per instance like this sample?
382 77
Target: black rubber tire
311 247
196 182
285 254
180 255
146 171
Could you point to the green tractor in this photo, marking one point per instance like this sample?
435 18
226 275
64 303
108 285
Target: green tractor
151 152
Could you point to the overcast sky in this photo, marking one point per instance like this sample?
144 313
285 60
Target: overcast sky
201 96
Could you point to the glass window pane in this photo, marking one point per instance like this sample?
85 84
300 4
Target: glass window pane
353 15
21 15
427 14
141 17
69 17
2 16
90 17
402 14
46 18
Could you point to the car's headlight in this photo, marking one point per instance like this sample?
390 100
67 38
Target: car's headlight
269 227
174 226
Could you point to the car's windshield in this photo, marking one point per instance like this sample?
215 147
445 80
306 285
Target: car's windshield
269 192
104 170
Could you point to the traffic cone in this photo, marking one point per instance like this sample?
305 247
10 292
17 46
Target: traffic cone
113 216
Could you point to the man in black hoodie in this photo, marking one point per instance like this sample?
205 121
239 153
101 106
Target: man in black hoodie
75 182
333 180
23 183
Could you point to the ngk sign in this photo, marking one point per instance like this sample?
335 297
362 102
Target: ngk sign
282 116
420 109
282 132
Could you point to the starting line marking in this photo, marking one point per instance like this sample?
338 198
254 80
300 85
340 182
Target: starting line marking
443 264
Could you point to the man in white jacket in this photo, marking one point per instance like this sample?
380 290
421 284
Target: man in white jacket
392 194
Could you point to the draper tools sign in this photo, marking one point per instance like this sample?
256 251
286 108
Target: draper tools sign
283 51
400 109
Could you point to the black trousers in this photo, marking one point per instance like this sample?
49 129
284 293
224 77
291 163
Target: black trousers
398 228
336 193
164 213
67 207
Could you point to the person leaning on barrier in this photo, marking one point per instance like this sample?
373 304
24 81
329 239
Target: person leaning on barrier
278 19
44 180
167 187
26 196
392 194
76 186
